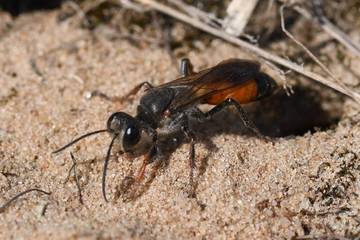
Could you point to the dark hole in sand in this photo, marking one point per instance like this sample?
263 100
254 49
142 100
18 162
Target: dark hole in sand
297 114
278 116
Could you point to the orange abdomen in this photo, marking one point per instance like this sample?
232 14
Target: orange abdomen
243 93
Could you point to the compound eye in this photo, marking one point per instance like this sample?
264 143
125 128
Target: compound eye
131 137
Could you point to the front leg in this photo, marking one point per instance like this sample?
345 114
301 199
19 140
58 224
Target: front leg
147 157
135 183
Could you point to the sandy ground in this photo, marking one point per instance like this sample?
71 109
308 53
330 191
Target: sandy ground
304 184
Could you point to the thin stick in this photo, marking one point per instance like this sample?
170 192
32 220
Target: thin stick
332 30
197 13
329 27
69 173
130 5
7 204
312 56
77 180
339 35
238 15
249 47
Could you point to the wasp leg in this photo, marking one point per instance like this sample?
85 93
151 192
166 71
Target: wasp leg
137 192
186 67
190 136
146 160
135 183
134 193
135 90
180 123
201 116
127 97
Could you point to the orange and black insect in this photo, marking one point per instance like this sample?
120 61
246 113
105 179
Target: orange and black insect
170 108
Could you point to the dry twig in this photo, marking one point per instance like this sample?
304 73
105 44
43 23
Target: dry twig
312 56
239 13
196 13
330 28
77 180
17 196
133 6
249 47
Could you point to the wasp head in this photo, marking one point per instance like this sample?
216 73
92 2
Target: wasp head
133 136
129 130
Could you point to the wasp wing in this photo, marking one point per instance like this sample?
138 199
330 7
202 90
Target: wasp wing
227 75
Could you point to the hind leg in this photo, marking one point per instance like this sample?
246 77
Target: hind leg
126 98
201 116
